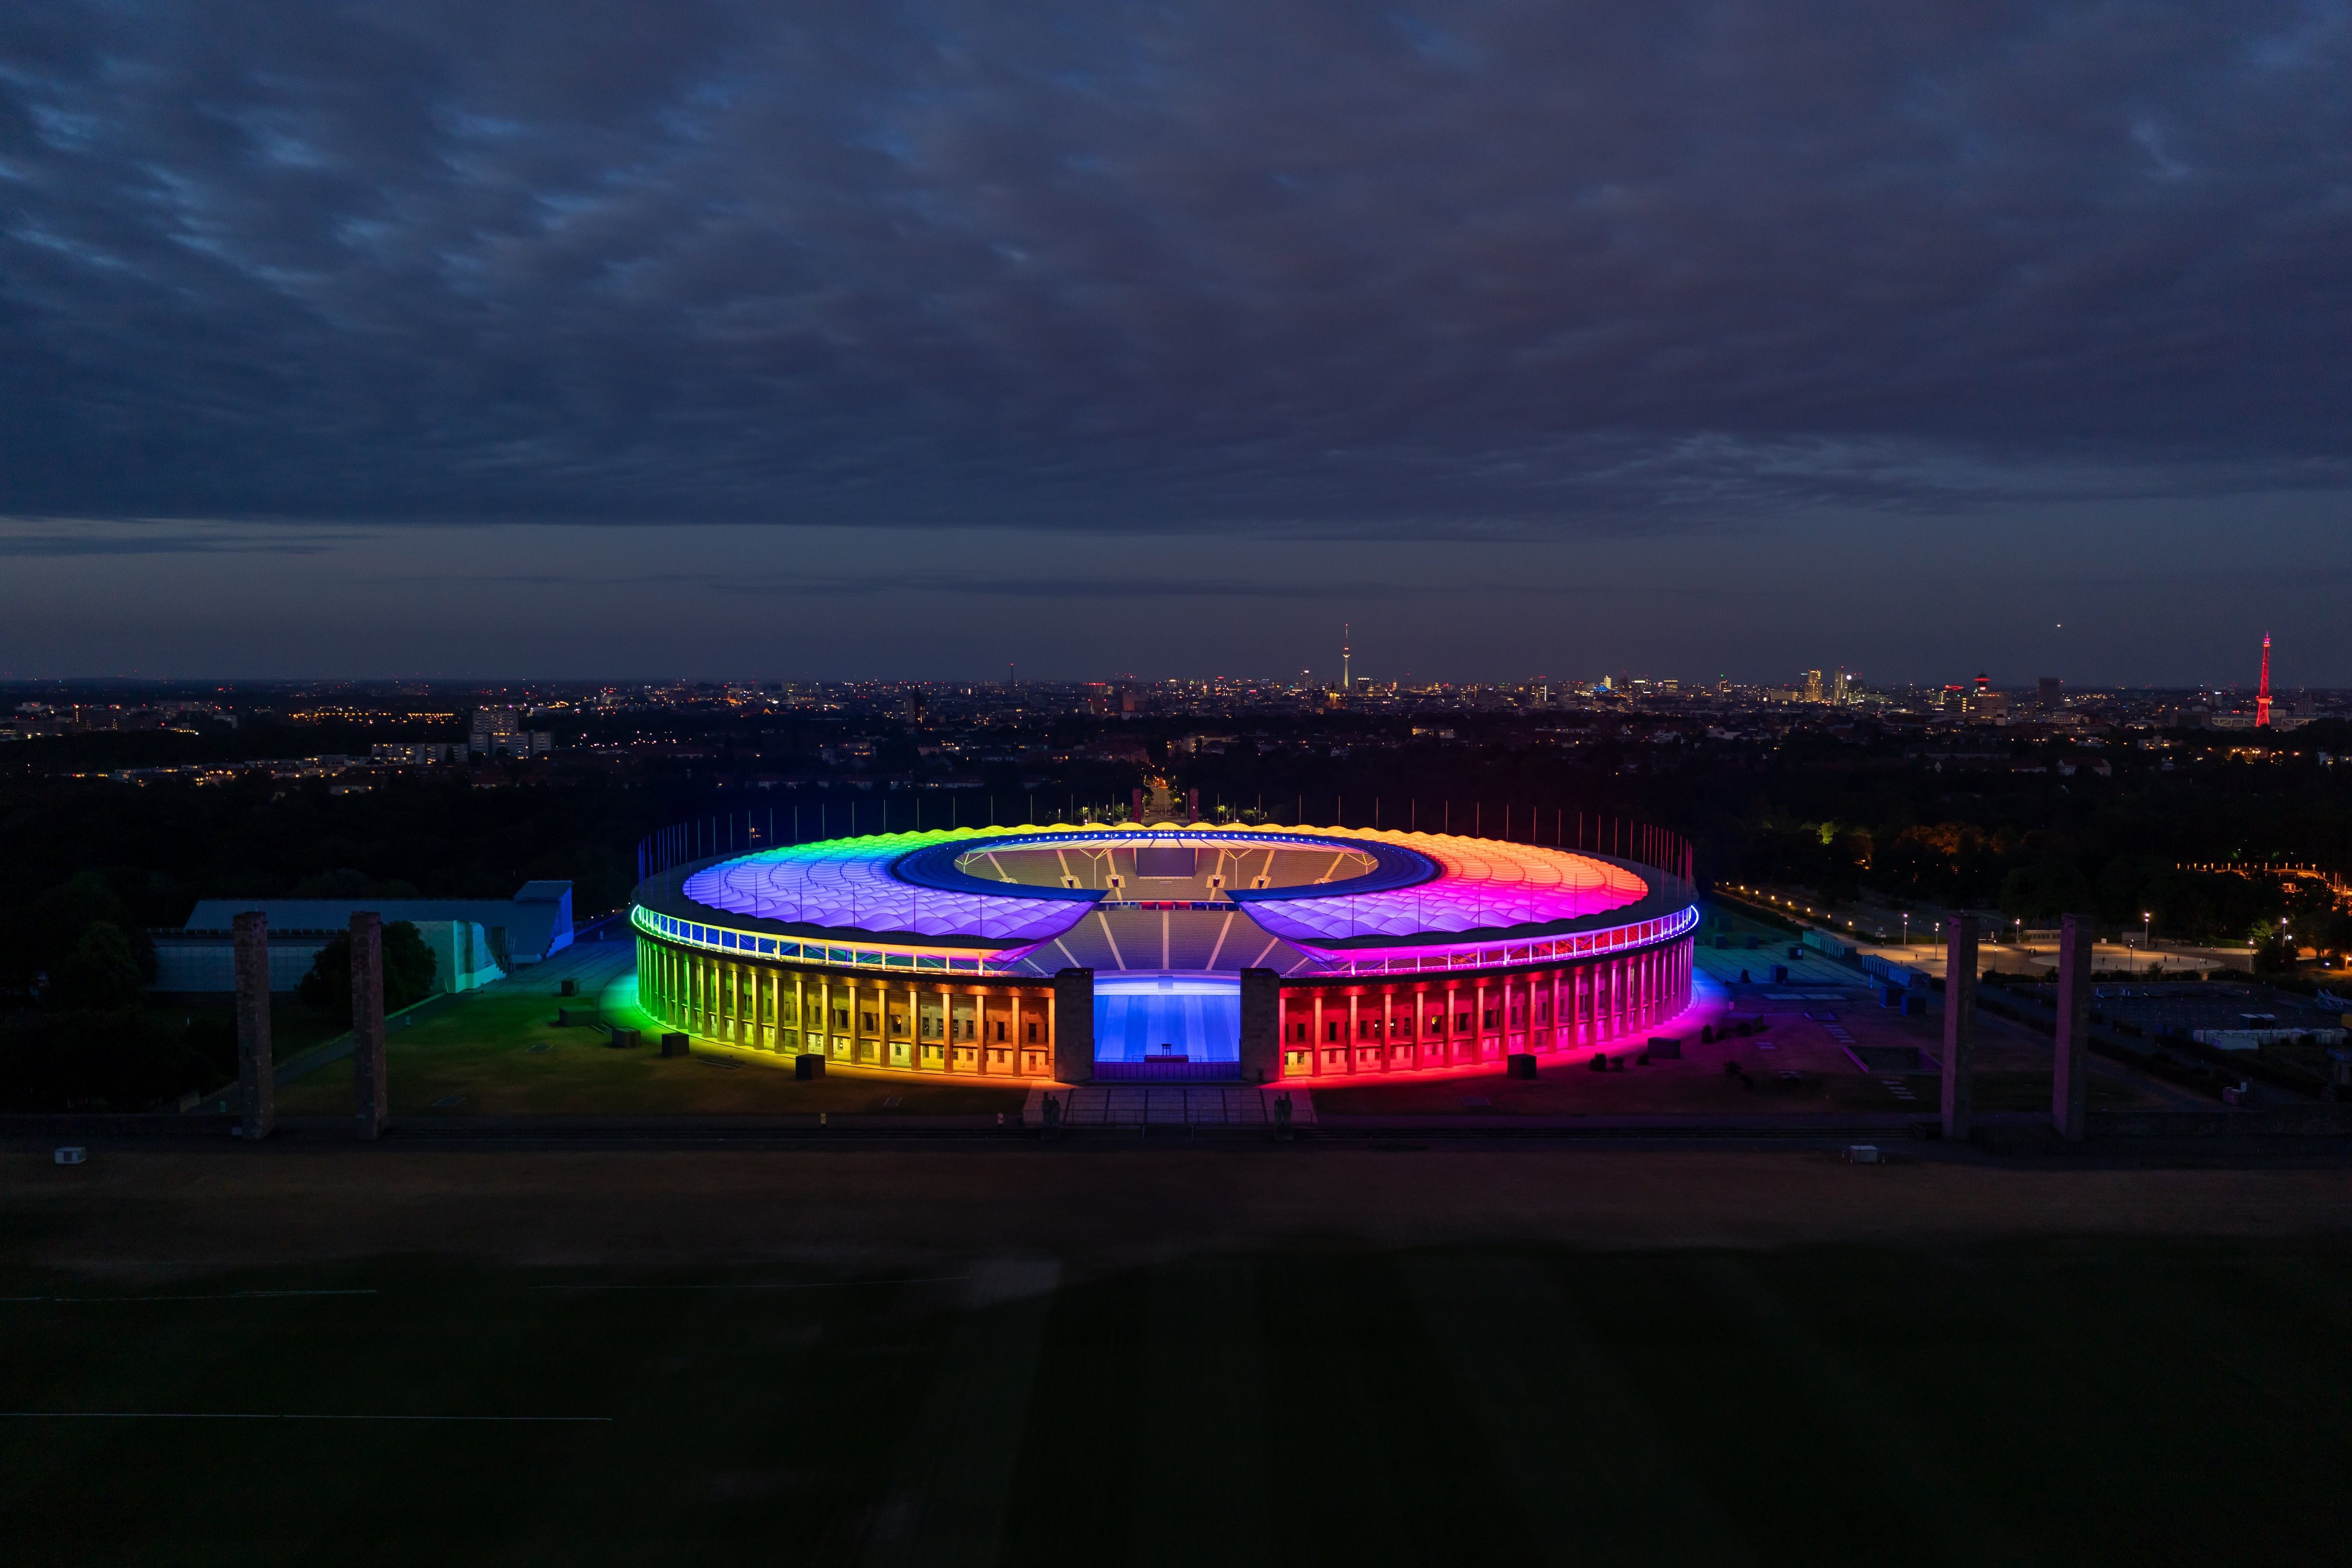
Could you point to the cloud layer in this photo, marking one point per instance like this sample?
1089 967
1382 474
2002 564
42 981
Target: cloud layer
1480 268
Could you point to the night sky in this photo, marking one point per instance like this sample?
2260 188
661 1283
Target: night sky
908 339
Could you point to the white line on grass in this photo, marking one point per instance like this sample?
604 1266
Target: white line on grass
258 1415
226 1296
805 1285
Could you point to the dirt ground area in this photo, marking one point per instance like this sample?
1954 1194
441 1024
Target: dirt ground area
1082 1203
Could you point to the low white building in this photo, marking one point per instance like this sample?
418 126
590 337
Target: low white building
473 940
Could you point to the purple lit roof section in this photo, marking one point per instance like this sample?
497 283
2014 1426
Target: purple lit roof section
1486 883
846 885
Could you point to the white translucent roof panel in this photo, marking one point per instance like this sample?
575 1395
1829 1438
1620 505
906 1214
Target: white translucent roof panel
846 885
1484 884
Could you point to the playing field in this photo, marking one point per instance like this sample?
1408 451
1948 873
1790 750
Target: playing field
1378 1357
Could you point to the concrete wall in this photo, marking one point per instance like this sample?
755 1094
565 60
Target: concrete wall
208 962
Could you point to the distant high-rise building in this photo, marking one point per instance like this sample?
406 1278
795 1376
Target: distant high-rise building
2053 692
1840 689
489 724
1955 698
1983 684
1813 685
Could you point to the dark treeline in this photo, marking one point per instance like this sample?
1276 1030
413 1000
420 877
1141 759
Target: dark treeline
93 864
1848 815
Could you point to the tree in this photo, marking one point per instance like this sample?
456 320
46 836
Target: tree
2274 949
100 972
408 968
2045 891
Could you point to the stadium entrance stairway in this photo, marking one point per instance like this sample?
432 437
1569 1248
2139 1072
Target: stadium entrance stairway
1169 1104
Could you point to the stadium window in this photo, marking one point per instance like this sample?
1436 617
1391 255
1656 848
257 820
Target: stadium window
1331 1029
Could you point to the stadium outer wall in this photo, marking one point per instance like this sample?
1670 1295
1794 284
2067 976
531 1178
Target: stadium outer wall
1338 1026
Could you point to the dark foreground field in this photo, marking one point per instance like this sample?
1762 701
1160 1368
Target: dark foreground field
1050 1355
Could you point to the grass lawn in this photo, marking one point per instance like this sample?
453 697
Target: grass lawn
2119 1401
498 1052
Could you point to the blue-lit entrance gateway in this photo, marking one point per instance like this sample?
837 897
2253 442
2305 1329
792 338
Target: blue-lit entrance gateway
1177 1024
1168 952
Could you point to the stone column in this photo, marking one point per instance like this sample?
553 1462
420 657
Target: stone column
256 1083
367 1023
1959 1023
1262 1026
1074 1026
2070 1080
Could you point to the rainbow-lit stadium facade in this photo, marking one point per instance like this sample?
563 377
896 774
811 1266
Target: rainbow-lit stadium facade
1125 953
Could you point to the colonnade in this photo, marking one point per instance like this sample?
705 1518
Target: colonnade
857 1018
1325 1029
1333 1029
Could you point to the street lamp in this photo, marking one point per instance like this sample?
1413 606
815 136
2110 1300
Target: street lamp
1907 928
2147 925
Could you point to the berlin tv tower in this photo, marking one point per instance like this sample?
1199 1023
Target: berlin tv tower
1348 685
2263 698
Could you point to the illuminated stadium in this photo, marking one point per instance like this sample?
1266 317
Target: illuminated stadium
1185 953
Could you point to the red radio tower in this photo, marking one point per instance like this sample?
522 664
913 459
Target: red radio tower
2263 698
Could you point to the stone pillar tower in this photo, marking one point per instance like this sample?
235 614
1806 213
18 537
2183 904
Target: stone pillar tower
367 1022
255 1082
2070 1070
1261 1026
1074 1026
1959 1023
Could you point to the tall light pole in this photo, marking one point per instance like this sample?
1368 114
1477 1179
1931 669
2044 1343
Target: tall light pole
1907 928
2147 926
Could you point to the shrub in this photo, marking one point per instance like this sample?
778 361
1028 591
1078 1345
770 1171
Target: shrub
130 1059
101 971
408 968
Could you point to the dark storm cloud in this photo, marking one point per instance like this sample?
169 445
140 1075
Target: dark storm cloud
1480 268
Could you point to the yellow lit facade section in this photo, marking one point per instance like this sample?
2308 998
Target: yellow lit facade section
892 1023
